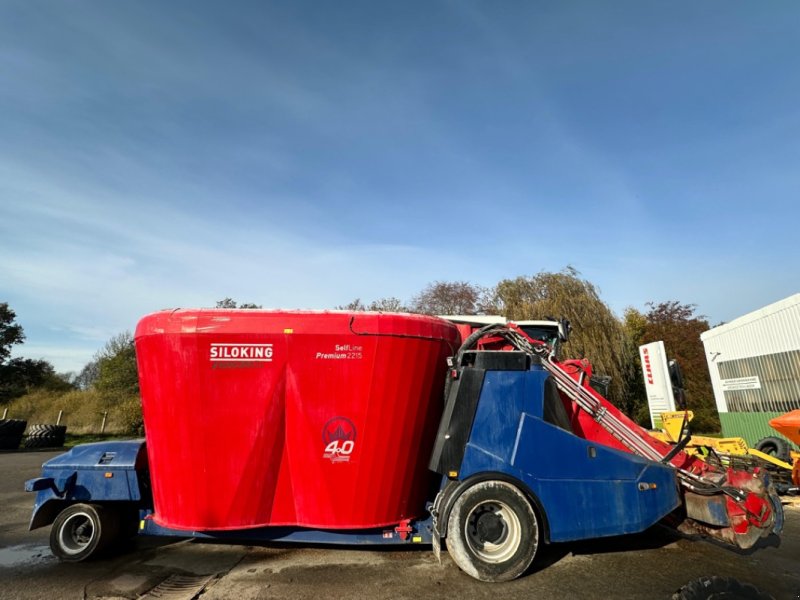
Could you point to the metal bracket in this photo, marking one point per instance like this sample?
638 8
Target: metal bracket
404 529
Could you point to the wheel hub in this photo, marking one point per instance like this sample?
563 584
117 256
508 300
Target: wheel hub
493 531
489 526
80 534
76 533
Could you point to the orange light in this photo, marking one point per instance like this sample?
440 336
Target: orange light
109 475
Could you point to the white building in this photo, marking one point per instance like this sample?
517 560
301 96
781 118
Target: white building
754 363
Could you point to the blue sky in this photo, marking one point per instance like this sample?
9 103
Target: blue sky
296 154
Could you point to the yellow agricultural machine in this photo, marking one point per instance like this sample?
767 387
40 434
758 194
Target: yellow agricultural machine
774 453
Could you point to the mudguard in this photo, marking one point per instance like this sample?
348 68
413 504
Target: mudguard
100 472
585 489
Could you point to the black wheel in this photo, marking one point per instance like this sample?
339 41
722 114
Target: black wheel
47 429
10 442
11 433
774 446
45 436
38 441
719 588
39 429
12 427
83 531
493 532
41 441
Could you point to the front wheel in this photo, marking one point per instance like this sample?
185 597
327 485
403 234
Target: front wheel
493 532
83 531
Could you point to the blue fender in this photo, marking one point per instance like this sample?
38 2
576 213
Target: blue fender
585 490
99 472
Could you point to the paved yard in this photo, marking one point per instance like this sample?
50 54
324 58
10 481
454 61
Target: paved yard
651 565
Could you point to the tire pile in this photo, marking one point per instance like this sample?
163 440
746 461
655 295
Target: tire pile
11 431
45 436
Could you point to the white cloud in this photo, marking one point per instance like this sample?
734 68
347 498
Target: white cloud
64 358
87 263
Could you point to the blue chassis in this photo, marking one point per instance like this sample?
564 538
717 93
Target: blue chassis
111 472
422 534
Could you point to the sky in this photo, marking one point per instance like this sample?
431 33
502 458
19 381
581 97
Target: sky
303 154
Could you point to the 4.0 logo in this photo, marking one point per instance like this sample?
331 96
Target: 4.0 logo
339 436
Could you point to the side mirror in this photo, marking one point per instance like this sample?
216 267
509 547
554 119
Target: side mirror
563 329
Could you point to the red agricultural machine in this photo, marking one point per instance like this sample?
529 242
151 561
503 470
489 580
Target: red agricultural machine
371 428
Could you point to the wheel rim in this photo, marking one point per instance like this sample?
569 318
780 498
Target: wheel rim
493 531
76 533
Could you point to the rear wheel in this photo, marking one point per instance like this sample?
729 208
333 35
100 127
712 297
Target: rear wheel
83 531
493 532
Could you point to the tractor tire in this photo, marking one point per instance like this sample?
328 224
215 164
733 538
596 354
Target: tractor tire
12 427
493 531
83 531
775 447
8 442
44 429
39 441
11 433
45 436
719 588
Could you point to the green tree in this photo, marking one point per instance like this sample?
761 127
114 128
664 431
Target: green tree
450 298
20 376
678 326
226 303
113 375
634 324
231 303
117 375
389 304
354 306
597 334
11 333
88 375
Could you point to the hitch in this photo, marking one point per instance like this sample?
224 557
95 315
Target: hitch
404 529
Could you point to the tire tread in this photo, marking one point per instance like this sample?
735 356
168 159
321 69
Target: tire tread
531 531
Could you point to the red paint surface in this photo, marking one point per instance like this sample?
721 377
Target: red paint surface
236 445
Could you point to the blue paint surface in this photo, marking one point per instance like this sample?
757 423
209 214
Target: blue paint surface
585 489
103 471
